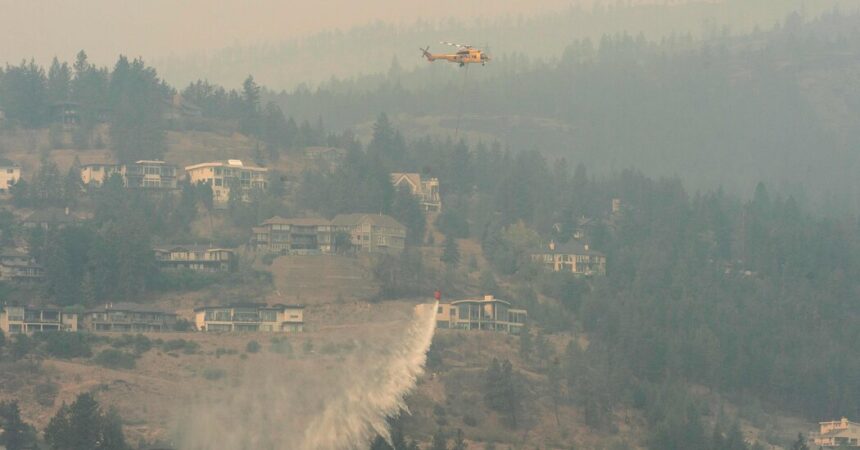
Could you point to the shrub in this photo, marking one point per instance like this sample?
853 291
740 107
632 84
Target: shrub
252 347
268 258
45 393
115 359
470 421
138 342
187 347
281 346
212 374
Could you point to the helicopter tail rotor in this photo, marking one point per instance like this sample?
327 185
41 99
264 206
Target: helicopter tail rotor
426 53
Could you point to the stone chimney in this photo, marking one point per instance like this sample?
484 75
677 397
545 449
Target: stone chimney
67 210
616 205
586 247
552 245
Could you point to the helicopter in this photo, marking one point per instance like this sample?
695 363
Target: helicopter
466 54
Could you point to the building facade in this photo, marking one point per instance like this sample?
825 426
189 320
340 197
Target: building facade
572 257
223 176
10 173
19 267
250 318
200 258
372 233
298 236
838 433
147 174
30 319
128 318
426 189
488 313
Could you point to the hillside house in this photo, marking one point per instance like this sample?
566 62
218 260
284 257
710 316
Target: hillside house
487 313
223 176
10 173
30 319
50 218
128 318
199 258
19 267
250 317
427 189
838 433
298 236
145 174
573 257
66 114
372 233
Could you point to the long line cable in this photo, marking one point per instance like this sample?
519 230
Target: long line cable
460 106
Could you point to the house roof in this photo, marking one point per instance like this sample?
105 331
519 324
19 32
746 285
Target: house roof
50 215
481 301
189 248
571 247
277 306
413 178
380 220
130 307
299 221
234 163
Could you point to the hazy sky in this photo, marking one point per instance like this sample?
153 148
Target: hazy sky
159 28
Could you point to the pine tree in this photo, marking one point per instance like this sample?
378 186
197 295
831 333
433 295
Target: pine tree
249 124
450 253
16 435
459 441
800 443
440 441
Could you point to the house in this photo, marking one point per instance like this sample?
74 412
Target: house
838 433
128 318
487 313
427 190
29 319
299 236
50 219
66 114
372 233
250 317
222 176
572 257
19 266
147 174
200 258
10 173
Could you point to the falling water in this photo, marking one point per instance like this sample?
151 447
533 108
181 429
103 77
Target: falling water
360 413
315 404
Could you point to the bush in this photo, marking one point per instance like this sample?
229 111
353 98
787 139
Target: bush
66 345
252 347
138 342
187 347
470 421
212 374
115 359
281 346
45 393
268 258
21 346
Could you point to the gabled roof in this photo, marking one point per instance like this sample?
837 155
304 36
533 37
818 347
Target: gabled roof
572 247
414 179
130 307
277 306
299 221
189 248
381 220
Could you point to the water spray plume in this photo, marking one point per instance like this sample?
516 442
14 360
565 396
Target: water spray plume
318 403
